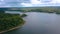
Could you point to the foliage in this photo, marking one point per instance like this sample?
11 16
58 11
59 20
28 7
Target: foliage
42 9
8 21
23 15
1 11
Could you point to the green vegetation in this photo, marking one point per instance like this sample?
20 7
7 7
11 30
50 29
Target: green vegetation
42 9
8 21
1 11
23 15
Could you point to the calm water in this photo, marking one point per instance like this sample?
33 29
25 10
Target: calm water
39 23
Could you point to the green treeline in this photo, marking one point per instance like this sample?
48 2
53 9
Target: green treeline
8 21
42 9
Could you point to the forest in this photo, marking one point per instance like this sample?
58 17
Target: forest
8 21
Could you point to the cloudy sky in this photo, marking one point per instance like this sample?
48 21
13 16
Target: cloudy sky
29 3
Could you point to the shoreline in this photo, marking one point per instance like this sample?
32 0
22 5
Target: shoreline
10 29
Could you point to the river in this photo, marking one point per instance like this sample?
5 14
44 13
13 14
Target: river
39 23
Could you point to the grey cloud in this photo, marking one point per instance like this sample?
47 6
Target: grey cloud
13 2
17 3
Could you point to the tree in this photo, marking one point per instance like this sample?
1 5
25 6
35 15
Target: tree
2 11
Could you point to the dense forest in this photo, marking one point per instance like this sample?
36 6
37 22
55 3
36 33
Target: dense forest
8 21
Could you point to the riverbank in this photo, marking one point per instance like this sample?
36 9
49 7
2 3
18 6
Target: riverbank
39 23
11 29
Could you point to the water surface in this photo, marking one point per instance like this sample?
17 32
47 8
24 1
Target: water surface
39 23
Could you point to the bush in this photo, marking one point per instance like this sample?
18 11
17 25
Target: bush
23 15
57 12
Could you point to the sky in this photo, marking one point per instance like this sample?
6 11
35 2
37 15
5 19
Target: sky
29 3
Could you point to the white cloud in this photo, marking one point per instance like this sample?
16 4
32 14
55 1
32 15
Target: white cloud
26 4
39 3
1 0
35 2
32 3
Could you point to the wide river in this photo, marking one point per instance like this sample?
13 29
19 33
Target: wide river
39 23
